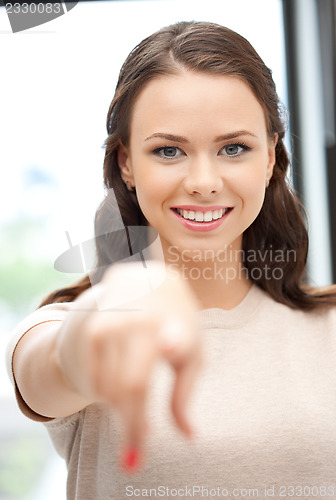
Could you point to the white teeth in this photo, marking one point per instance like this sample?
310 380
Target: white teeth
199 216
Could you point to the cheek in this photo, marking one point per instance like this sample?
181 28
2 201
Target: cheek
154 185
151 196
146 200
252 199
252 190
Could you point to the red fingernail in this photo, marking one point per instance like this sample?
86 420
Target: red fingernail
131 459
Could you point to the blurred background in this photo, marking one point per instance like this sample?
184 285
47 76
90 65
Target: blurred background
57 81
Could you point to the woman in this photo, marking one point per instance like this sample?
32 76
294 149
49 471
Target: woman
194 150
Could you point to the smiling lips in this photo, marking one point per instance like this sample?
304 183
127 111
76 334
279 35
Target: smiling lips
201 218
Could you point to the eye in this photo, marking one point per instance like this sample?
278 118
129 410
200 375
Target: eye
235 149
168 152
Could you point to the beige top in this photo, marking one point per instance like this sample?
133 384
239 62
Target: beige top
264 409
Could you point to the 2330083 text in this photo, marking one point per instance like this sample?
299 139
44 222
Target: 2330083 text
300 491
34 8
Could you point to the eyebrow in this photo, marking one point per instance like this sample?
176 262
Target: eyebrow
182 139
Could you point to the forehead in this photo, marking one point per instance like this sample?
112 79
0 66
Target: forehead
189 101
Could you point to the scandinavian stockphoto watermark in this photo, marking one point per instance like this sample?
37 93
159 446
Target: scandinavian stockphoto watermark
25 15
118 244
229 264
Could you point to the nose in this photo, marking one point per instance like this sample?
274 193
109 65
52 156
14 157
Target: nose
204 178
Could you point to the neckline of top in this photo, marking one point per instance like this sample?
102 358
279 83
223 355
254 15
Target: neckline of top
216 317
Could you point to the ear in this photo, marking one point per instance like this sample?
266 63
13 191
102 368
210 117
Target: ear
271 156
125 165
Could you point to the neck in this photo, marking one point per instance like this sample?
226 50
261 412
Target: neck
217 279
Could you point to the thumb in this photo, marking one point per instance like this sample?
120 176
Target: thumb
182 349
186 375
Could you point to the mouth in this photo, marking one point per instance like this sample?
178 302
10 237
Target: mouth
202 216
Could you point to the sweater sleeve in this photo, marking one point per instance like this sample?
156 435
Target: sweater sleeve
50 312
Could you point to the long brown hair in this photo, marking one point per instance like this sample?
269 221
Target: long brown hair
280 227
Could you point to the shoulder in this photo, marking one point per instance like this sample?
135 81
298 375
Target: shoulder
50 312
322 318
324 315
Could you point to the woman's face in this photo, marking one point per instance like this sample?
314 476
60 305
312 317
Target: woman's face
199 157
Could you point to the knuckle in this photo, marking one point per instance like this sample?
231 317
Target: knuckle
108 392
134 385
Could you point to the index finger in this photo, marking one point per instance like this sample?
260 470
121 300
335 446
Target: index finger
133 415
139 354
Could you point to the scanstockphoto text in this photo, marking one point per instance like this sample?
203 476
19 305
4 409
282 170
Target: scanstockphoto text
190 491
265 492
229 264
